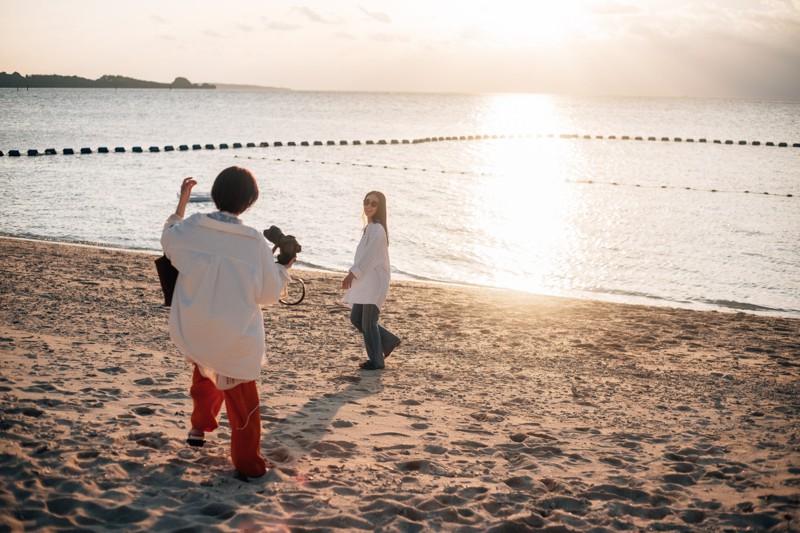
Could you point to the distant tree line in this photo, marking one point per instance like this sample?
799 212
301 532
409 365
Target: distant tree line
104 82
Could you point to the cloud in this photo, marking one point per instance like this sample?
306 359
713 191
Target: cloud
276 25
313 16
374 15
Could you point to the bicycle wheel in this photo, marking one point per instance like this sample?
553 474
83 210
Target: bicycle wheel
293 292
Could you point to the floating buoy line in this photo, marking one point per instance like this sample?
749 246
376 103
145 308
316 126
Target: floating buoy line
34 152
488 174
278 144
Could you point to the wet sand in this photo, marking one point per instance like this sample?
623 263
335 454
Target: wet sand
501 411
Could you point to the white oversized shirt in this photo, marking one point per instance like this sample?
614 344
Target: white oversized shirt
227 271
371 268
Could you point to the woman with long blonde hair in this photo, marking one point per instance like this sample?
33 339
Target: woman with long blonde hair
367 283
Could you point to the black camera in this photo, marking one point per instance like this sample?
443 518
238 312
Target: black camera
287 244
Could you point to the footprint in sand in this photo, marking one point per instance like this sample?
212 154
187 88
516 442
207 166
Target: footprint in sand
525 483
333 449
154 440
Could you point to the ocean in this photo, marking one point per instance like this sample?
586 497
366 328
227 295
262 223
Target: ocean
683 202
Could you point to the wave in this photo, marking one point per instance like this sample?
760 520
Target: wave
744 306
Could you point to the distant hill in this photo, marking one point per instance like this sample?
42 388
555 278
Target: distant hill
104 82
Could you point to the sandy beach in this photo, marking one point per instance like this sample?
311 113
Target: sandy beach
500 412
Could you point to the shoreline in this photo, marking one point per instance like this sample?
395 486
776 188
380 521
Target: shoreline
609 298
501 410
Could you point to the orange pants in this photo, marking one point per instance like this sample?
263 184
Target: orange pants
244 415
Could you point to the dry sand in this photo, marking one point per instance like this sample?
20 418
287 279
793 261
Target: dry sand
501 411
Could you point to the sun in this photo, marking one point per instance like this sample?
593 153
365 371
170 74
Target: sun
524 23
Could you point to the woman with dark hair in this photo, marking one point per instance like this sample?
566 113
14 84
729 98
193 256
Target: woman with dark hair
227 271
367 283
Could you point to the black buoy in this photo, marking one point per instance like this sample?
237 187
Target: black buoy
119 149
183 147
304 143
370 142
210 147
13 153
342 143
154 149
728 142
237 145
357 142
277 143
50 151
405 141
782 145
677 139
331 143
69 151
33 152
651 138
251 145
317 143
264 144
223 146
383 141
86 150
291 143
196 147
756 143
742 143
137 149
102 150
169 148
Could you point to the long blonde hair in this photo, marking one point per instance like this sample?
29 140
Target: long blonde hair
380 215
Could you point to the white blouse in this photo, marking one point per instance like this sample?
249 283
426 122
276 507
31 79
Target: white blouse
227 272
371 268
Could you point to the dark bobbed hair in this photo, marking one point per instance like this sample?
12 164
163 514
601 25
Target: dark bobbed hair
380 214
234 190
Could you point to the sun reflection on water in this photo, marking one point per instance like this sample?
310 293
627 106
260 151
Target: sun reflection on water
522 205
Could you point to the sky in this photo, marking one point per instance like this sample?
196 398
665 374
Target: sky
722 48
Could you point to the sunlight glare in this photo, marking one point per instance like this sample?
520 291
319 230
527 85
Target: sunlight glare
518 24
523 201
